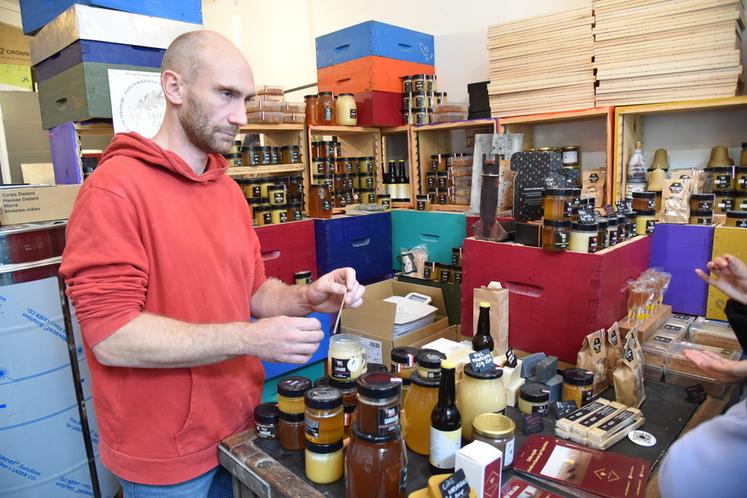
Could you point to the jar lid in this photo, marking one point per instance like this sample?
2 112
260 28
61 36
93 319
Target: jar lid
736 214
404 355
261 209
323 449
310 96
585 227
382 196
644 195
286 147
416 379
378 438
293 386
602 222
631 214
430 358
702 197
612 221
321 398
702 212
379 385
570 147
255 201
720 169
376 367
493 425
325 93
406 78
342 385
422 197
535 392
495 373
725 193
345 95
266 413
292 417
294 204
435 156
646 212
418 109
557 224
578 377
576 192
558 191
741 169
322 382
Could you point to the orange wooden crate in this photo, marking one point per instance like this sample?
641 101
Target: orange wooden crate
368 73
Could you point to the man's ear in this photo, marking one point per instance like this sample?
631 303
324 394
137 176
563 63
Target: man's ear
173 87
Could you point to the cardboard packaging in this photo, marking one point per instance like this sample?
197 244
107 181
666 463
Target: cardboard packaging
726 240
14 46
482 464
28 204
373 321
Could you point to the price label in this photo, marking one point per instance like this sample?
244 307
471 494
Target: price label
586 215
511 358
610 210
481 361
455 486
561 409
533 423
622 206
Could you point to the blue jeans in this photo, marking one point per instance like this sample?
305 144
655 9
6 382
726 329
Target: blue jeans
215 483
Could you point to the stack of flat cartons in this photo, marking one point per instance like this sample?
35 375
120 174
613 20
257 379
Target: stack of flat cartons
541 64
648 51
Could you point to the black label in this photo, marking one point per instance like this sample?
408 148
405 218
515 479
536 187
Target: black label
457 277
650 224
670 326
312 428
511 358
353 113
662 339
560 240
582 412
680 316
427 273
723 181
455 486
568 208
593 419
616 420
603 240
540 410
481 361
445 276
283 216
613 237
420 205
622 207
628 354
327 113
326 205
265 431
267 218
592 245
385 203
297 215
741 223
562 409
597 345
593 178
340 368
278 197
613 337
388 419
743 182
256 191
586 396
420 118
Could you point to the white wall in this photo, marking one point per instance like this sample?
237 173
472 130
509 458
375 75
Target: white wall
278 37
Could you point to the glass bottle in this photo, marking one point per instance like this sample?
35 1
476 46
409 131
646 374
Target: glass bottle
325 109
483 339
446 423
311 101
636 171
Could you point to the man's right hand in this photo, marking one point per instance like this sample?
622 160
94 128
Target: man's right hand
284 339
729 275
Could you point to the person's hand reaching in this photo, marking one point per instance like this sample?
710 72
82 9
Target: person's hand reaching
325 294
716 366
729 275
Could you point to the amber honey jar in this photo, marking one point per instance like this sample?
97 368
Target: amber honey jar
644 201
320 201
555 235
557 204
323 415
378 403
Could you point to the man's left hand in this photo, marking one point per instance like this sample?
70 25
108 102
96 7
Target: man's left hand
325 294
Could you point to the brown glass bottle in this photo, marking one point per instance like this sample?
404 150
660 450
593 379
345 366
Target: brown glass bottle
483 339
446 423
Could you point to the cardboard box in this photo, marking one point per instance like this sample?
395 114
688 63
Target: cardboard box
33 203
726 240
373 321
482 464
14 46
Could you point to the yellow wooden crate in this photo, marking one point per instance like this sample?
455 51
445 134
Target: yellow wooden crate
726 240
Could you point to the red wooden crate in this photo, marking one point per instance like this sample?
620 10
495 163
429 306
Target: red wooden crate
379 108
288 248
555 299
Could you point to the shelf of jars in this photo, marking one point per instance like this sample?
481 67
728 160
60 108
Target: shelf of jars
433 148
707 123
395 146
347 159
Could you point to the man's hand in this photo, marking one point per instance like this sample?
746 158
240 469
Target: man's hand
325 294
729 275
716 366
284 339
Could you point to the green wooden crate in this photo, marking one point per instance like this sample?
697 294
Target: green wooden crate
438 231
79 93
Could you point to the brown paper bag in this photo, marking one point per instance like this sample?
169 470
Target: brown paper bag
593 357
592 185
675 200
614 349
498 299
628 379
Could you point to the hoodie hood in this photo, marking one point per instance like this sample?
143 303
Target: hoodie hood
147 151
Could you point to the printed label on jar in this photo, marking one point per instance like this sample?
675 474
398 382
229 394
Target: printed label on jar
433 375
256 191
326 205
508 456
561 240
586 396
650 224
267 218
652 204
385 204
278 197
327 113
445 276
743 182
341 368
427 273
311 427
283 216
540 409
613 238
592 245
603 240
420 118
419 85
571 157
420 205
723 181
297 215
741 223
265 431
353 113
568 208
388 419
458 277
295 157
444 445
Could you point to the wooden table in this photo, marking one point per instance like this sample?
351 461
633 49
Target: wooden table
262 468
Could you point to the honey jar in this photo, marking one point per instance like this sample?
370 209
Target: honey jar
644 201
737 219
555 235
557 204
701 202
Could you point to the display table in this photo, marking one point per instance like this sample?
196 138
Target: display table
263 468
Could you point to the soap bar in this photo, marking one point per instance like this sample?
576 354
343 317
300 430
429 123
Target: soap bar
556 387
546 369
580 414
529 363
580 430
604 434
512 393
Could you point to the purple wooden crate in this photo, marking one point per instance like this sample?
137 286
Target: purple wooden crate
679 249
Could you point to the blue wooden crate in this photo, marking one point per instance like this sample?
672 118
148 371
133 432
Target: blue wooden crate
438 231
374 38
96 51
362 242
276 369
36 13
679 249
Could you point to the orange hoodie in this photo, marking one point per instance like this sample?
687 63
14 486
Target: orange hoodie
148 234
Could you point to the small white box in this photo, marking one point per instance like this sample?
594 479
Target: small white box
482 465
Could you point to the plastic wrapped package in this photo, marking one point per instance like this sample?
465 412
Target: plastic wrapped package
675 360
264 117
263 105
714 333
294 107
270 90
448 117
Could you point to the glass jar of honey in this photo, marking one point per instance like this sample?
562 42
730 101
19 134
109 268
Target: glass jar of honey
723 202
323 415
631 218
736 219
577 386
645 222
701 217
290 154
325 109
480 392
556 235
644 201
291 433
557 204
701 202
419 403
320 201
584 238
323 463
291 391
404 364
346 112
262 215
279 214
378 403
602 234
498 431
534 398
277 195
384 200
311 102
722 179
375 466
345 360
266 420
349 389
612 230
741 178
429 364
295 211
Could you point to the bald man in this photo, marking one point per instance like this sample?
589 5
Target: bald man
164 270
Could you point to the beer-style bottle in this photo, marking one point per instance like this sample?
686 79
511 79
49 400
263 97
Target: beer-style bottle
483 339
446 423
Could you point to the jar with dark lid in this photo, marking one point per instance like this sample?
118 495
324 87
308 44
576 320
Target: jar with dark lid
262 215
724 201
291 392
384 200
279 214
323 463
430 180
375 466
418 83
602 234
558 203
290 154
431 270
311 101
277 195
741 176
320 201
740 202
325 109
577 386
378 403
420 116
643 201
736 219
376 367
480 392
266 420
584 237
498 431
645 222
404 363
555 235
701 217
701 202
265 156
534 398
429 364
630 218
722 179
349 389
302 278
275 155
571 156
291 434
406 84
442 180
323 411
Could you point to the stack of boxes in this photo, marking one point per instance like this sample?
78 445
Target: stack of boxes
74 45
369 60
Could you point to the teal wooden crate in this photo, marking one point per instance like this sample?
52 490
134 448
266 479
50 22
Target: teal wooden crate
79 93
438 231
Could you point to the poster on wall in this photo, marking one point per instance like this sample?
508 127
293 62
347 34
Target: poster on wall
137 101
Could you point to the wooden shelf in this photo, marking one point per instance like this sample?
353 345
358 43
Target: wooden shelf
395 130
94 129
552 117
457 125
265 127
687 105
461 208
340 130
265 170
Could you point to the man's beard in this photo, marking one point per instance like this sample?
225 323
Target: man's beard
201 133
